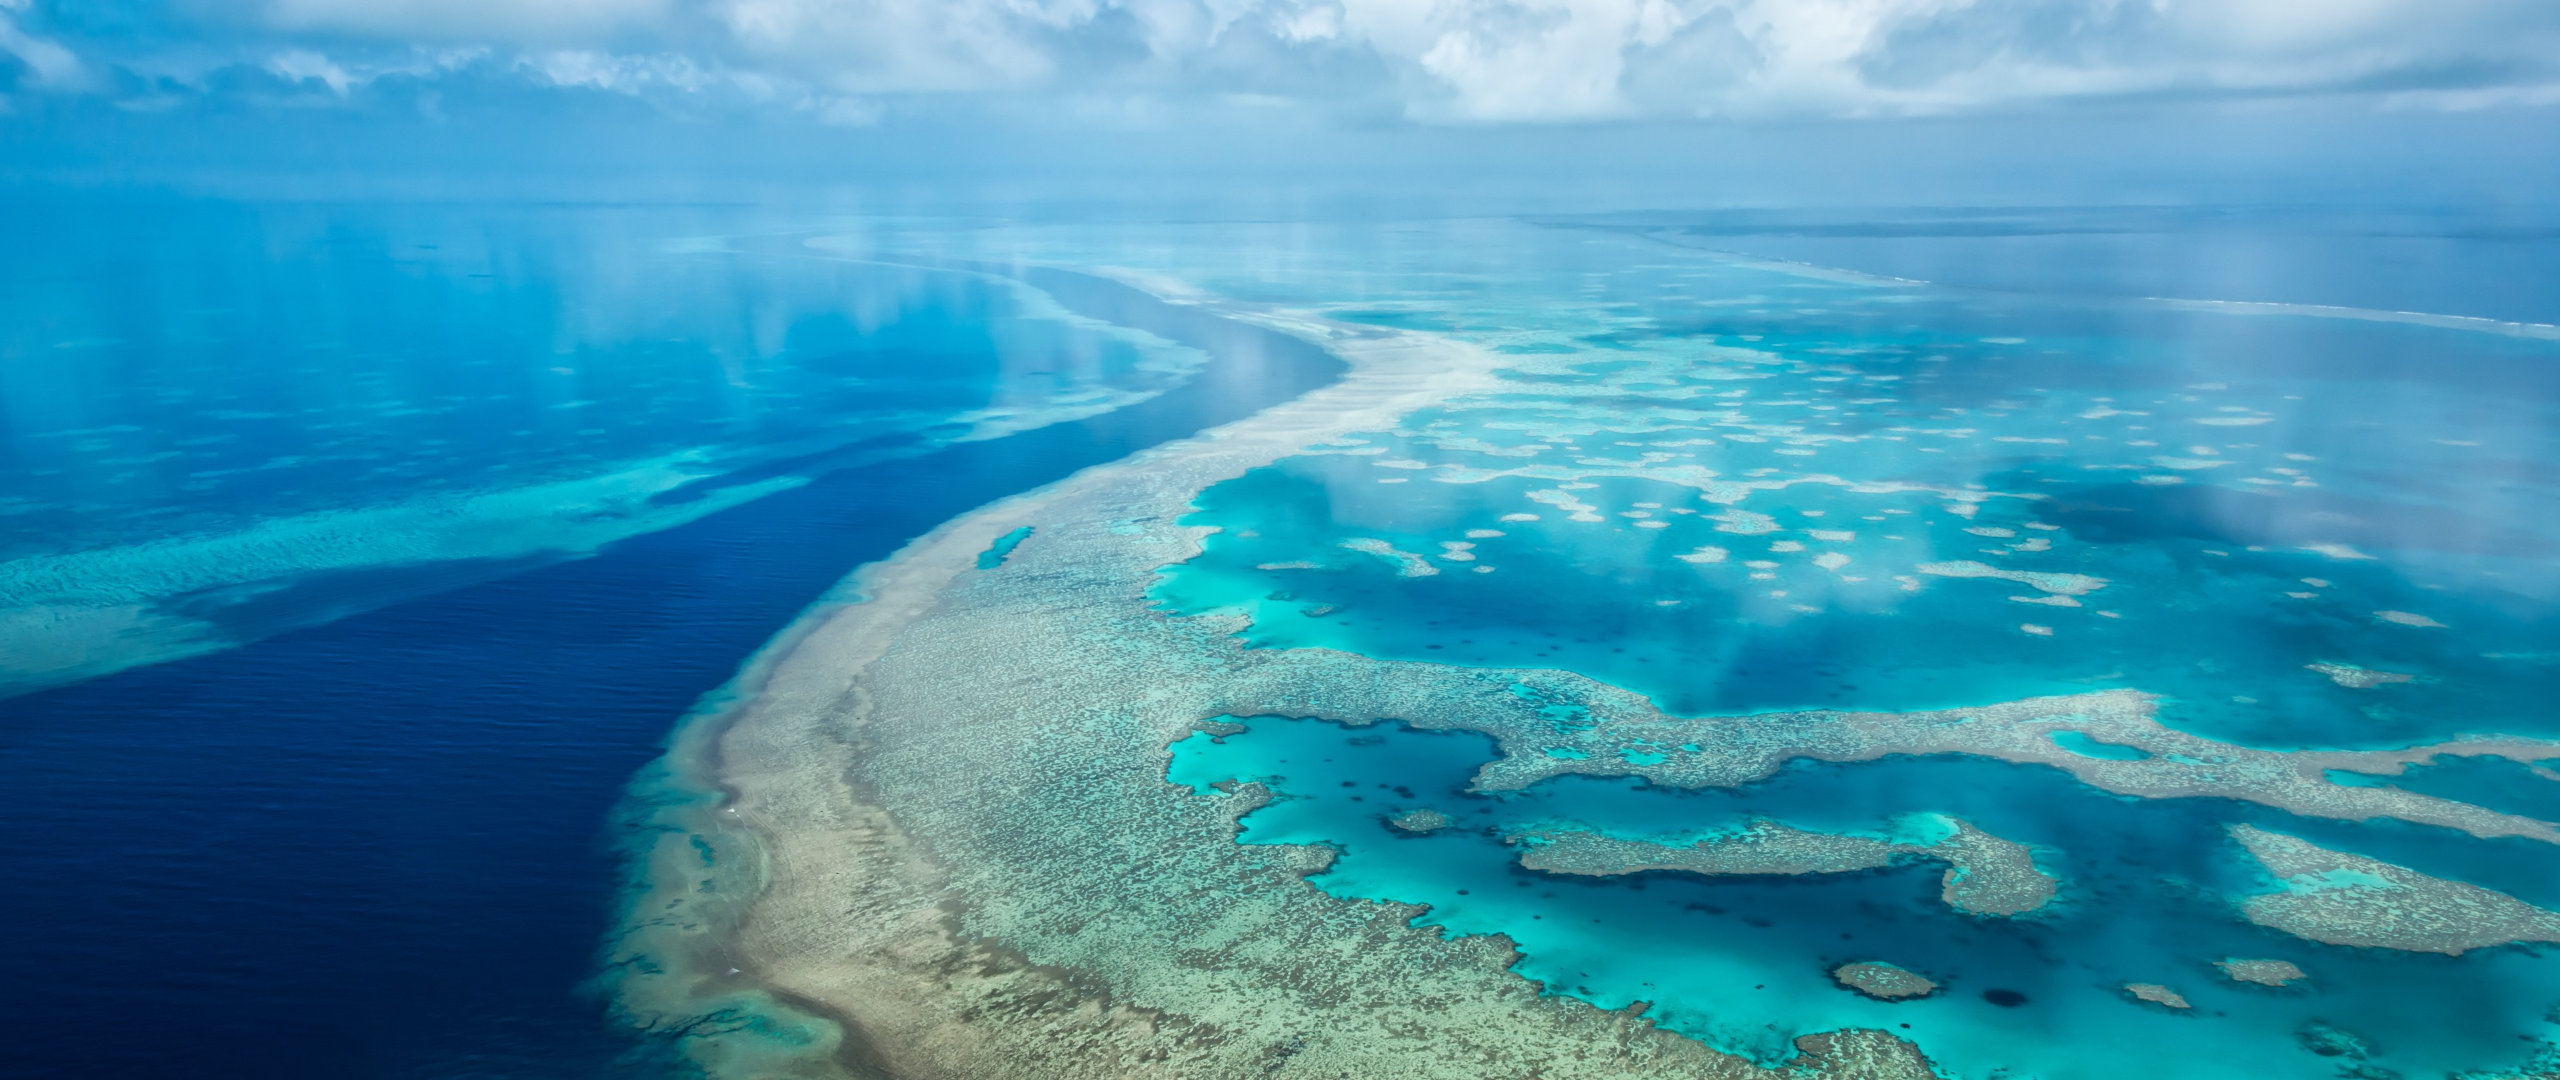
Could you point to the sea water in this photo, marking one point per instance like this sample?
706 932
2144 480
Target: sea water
226 421
1743 963
1737 486
390 541
370 828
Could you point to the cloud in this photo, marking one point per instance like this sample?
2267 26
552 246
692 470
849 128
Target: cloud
906 46
511 21
1465 61
625 74
299 65
1540 59
48 64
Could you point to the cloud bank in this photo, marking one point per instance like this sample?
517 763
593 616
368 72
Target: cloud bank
1434 61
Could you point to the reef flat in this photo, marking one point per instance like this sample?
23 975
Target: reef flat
943 845
1883 981
1760 848
1556 723
1425 820
2158 995
1764 847
2358 678
2262 972
2343 899
1986 875
939 837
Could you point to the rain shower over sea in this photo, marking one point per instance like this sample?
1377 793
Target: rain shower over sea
2059 679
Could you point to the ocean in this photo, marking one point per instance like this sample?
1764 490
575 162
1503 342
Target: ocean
377 836
359 556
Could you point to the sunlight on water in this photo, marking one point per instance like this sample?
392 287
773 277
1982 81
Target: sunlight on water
226 422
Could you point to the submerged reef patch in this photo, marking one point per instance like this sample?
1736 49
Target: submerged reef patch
1986 875
2053 583
2261 972
2358 678
1407 563
2330 1041
1763 847
2157 995
1424 820
1884 981
2342 899
1615 732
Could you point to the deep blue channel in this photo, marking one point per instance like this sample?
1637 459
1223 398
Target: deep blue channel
377 848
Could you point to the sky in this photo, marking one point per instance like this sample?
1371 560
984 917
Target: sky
2124 99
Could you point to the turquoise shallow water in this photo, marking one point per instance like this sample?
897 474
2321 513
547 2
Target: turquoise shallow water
1736 488
226 421
2313 529
2209 513
1742 962
385 843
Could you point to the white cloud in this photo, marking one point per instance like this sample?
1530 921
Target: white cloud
909 46
2492 97
1552 59
1461 60
1534 59
339 74
628 74
512 21
297 65
49 63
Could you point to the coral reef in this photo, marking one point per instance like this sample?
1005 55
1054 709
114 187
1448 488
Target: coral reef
1424 820
2157 995
2262 972
1986 875
2341 899
1883 981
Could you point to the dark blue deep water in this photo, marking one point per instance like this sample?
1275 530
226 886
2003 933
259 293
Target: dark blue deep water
381 846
